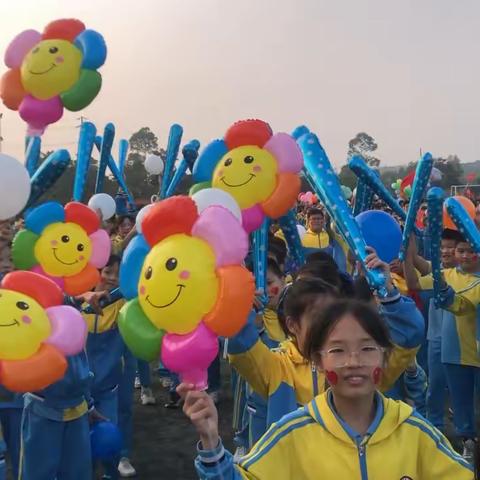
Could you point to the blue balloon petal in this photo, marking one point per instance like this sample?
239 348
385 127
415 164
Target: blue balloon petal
44 215
131 267
93 48
207 161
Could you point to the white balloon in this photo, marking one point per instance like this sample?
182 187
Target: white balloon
105 203
214 196
436 175
140 215
301 231
154 164
14 187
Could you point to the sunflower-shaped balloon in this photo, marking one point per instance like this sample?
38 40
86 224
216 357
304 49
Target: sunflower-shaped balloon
185 284
37 331
258 168
52 70
64 244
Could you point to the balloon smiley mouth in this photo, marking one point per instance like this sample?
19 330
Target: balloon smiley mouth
180 288
252 176
44 72
61 261
15 322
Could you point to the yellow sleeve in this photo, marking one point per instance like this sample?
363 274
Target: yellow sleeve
426 282
262 368
466 301
272 326
398 361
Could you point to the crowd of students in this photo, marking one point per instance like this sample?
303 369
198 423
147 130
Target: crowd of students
329 380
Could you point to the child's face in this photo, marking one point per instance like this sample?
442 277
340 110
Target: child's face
354 357
466 257
109 277
125 227
447 251
275 286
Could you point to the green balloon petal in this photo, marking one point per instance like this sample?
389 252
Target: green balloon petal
199 186
142 337
23 250
83 92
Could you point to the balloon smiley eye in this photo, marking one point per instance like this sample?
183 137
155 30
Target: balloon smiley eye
53 50
65 239
148 273
228 162
80 247
171 264
248 159
22 306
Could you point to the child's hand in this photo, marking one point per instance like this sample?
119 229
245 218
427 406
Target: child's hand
257 300
372 261
201 410
93 299
95 416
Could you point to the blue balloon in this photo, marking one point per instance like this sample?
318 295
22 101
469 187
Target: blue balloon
207 161
260 255
122 155
105 152
300 131
40 217
93 48
105 440
173 146
84 153
131 267
288 224
382 232
32 154
190 154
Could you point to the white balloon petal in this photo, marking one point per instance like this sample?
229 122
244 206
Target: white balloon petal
14 187
301 231
214 196
154 164
105 203
141 214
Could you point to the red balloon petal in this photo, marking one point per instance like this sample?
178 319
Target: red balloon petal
82 215
169 217
64 29
248 132
43 290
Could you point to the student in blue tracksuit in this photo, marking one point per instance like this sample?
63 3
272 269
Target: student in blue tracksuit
3 465
105 349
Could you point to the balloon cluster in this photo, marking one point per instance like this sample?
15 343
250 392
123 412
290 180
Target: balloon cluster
52 70
308 198
184 279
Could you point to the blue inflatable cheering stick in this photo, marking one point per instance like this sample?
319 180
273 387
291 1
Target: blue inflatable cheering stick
190 154
327 186
84 154
122 156
464 223
260 254
173 146
420 183
32 154
288 224
363 198
105 153
435 198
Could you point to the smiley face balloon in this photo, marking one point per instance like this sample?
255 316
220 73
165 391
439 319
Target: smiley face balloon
36 332
256 167
52 70
185 284
64 244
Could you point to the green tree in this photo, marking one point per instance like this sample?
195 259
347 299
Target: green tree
144 141
347 177
452 171
363 144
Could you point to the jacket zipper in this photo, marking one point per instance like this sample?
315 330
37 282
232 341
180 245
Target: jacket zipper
363 461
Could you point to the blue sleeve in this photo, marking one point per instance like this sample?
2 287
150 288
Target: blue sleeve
246 338
215 464
447 297
404 320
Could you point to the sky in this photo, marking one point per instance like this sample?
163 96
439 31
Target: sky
407 72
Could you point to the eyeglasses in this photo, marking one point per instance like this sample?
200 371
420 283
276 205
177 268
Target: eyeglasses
367 356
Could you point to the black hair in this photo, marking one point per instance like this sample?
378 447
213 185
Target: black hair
315 211
296 298
322 323
272 265
362 290
449 234
320 257
113 259
278 248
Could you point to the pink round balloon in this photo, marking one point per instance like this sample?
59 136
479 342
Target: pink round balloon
40 113
190 355
20 46
69 330
101 248
252 218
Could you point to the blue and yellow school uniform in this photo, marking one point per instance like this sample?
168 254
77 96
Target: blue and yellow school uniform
55 428
315 443
105 349
287 380
3 465
315 240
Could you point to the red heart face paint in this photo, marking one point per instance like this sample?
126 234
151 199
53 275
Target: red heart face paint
377 375
332 377
274 291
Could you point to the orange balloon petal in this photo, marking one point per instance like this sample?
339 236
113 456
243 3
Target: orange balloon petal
64 29
284 196
82 215
37 372
83 281
11 89
234 301
43 290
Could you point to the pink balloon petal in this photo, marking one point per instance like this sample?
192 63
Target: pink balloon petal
40 113
252 218
220 228
101 248
58 280
285 149
20 46
69 330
